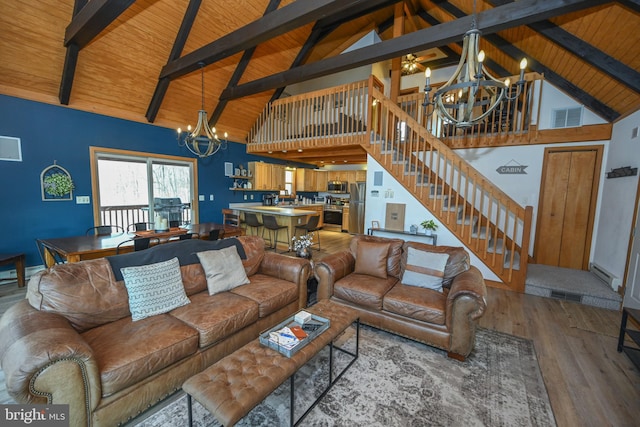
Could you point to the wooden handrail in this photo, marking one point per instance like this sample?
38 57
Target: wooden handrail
490 223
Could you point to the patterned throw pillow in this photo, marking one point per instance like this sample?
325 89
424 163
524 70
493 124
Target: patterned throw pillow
425 269
154 288
223 269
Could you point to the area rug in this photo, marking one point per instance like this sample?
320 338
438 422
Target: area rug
399 382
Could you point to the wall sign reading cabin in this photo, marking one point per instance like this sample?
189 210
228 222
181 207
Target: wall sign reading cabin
512 168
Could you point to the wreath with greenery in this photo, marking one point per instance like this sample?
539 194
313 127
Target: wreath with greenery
58 184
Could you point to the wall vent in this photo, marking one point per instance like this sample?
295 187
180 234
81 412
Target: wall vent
10 149
566 117
604 275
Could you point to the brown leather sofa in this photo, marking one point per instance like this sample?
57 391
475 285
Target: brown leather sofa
73 340
446 319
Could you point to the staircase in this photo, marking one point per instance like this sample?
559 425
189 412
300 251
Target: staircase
487 221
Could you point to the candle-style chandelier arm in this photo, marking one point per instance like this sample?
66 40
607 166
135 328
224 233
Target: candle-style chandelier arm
203 141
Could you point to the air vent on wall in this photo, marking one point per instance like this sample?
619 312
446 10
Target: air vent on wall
10 149
566 117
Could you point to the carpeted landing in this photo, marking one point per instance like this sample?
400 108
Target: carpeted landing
572 285
399 382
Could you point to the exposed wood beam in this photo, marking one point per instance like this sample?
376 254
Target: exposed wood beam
396 63
631 4
94 17
240 69
281 21
498 69
491 21
593 56
178 45
323 28
571 89
70 62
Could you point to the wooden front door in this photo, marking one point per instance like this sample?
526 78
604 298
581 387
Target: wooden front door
568 191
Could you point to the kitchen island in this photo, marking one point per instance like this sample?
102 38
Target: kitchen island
285 215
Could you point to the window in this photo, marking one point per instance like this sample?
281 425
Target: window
124 182
288 181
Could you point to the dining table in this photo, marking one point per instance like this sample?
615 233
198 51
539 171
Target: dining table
80 248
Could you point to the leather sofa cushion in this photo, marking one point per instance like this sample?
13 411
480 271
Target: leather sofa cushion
363 290
254 250
393 256
371 259
85 293
457 263
218 316
127 352
271 294
422 304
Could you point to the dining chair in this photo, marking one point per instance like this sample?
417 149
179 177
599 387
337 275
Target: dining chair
251 221
174 224
139 243
310 227
104 230
271 223
231 217
42 250
214 234
140 226
188 236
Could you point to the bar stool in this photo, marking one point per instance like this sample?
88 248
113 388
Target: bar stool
271 224
251 221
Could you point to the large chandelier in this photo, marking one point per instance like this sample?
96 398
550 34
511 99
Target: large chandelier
203 141
472 93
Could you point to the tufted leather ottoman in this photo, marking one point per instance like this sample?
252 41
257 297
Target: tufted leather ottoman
233 386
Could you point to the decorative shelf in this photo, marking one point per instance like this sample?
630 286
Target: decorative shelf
240 177
433 236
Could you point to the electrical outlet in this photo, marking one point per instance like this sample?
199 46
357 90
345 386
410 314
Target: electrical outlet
83 200
211 197
252 197
201 197
245 197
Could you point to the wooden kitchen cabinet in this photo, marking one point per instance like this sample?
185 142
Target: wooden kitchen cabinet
267 176
361 176
305 179
321 180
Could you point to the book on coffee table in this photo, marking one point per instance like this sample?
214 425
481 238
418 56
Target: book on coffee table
287 337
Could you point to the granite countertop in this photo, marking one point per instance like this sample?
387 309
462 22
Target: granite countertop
277 210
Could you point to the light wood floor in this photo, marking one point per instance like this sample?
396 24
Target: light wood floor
589 382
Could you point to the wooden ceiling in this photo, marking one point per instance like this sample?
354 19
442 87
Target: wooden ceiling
138 59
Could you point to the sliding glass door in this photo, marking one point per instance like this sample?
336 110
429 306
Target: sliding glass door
131 187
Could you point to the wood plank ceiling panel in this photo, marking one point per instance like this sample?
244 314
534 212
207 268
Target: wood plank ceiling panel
32 53
118 69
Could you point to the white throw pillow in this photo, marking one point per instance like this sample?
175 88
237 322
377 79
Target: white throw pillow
154 288
424 269
223 269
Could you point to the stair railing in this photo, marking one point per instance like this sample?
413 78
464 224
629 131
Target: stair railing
490 223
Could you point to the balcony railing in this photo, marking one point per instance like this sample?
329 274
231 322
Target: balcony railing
124 216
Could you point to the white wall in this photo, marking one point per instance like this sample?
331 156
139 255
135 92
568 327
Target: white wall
415 213
618 199
553 98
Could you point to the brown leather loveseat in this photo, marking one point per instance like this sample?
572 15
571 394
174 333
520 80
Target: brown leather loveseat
73 341
387 281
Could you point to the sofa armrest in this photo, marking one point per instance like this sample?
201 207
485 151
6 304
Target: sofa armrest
466 302
331 269
295 270
46 361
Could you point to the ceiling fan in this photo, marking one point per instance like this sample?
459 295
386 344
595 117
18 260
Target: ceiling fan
412 63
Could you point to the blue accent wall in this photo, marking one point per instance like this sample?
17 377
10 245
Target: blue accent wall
51 133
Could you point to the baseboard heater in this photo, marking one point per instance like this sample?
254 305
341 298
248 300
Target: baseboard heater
604 275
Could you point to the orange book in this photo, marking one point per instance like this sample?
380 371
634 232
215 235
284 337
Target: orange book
298 332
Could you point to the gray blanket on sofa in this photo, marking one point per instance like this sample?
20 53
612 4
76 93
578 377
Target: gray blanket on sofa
185 250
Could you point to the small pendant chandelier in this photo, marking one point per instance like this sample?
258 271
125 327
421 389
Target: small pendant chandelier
203 141
472 93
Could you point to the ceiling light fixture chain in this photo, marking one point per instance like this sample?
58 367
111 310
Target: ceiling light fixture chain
203 141
472 93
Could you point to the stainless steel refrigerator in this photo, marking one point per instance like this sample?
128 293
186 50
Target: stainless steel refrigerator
356 207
